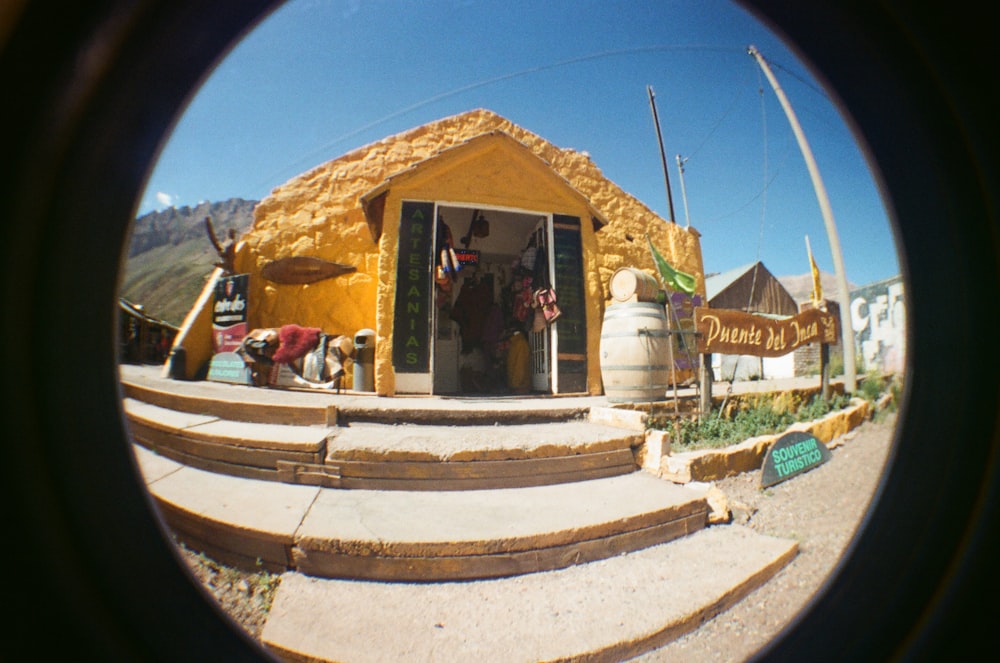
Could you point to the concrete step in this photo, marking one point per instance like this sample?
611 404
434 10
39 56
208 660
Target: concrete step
418 535
226 401
607 610
471 457
252 450
388 456
323 407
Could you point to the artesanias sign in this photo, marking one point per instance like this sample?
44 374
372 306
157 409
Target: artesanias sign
737 333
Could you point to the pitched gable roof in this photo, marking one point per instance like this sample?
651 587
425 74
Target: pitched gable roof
501 139
751 287
716 283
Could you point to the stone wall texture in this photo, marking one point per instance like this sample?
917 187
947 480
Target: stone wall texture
319 213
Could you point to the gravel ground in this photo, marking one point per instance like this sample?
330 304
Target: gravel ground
821 509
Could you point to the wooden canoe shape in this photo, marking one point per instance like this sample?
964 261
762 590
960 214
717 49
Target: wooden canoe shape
297 270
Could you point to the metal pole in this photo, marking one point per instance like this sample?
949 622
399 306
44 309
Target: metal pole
663 156
684 197
847 331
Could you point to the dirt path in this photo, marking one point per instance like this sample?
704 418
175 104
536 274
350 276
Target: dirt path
821 509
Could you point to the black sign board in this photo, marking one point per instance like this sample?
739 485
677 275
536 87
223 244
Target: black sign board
467 257
792 454
569 285
229 313
411 327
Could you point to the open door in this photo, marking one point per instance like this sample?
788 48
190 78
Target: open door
540 342
474 316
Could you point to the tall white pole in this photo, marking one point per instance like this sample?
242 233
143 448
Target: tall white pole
847 331
684 197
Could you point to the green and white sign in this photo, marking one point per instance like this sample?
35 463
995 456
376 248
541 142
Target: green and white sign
792 454
229 367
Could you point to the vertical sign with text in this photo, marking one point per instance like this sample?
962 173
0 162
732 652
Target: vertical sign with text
229 315
411 327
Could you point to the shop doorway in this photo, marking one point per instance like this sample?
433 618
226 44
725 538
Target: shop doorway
487 262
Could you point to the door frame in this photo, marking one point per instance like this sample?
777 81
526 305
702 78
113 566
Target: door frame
550 333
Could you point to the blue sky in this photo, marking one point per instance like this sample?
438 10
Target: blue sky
318 78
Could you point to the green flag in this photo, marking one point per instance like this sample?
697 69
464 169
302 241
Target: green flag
671 278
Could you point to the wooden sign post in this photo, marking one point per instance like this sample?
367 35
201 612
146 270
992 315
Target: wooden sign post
735 332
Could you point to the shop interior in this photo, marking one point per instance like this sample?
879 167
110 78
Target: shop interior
488 267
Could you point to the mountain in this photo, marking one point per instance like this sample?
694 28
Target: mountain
800 287
170 255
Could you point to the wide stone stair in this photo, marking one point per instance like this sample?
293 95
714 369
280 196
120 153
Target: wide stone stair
440 529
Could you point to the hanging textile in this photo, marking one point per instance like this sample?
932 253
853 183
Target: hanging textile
519 364
447 266
470 310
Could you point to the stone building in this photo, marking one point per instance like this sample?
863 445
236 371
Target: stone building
509 203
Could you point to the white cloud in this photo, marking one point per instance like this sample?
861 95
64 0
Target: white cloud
165 199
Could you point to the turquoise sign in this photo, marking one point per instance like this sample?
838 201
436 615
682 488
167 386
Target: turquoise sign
229 367
792 454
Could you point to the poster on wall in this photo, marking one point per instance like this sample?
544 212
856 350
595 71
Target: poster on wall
685 348
878 317
229 314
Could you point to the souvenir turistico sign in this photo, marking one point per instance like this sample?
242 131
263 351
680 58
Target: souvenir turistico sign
229 313
731 332
792 454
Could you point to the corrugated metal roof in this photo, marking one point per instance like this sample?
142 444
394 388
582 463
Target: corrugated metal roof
136 311
716 283
749 288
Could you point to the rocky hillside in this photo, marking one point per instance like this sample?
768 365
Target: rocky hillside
170 255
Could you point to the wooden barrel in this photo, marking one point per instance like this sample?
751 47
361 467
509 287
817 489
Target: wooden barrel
635 364
629 284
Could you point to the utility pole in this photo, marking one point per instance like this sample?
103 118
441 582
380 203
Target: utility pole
847 331
684 196
663 156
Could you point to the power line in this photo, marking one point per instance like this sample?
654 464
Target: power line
312 156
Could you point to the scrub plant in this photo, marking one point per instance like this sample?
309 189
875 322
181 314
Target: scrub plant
883 392
752 417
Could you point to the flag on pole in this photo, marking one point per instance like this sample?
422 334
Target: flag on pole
671 278
817 293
